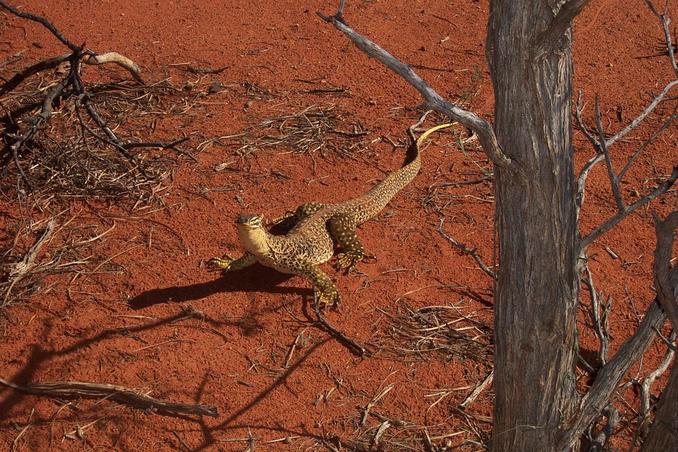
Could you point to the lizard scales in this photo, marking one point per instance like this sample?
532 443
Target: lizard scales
316 229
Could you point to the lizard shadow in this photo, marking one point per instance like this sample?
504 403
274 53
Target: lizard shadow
256 278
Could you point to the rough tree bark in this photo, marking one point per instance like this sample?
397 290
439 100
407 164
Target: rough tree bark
529 51
537 287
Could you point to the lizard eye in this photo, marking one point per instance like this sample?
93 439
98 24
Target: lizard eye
253 221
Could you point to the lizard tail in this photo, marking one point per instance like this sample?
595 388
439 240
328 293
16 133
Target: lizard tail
380 195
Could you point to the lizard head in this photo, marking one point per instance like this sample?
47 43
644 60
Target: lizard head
246 221
252 234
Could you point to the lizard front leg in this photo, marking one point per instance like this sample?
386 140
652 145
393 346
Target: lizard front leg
228 264
328 293
342 230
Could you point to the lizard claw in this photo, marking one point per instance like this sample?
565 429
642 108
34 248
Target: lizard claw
328 299
348 261
220 263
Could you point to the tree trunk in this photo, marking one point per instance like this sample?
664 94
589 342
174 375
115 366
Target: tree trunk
663 434
537 286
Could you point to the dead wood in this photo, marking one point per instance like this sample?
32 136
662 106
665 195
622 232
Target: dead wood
119 394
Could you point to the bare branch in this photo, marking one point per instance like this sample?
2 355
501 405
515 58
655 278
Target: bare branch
614 181
46 23
466 250
118 393
609 376
665 21
665 125
116 58
636 122
613 221
562 21
600 322
480 126
666 289
646 385
32 70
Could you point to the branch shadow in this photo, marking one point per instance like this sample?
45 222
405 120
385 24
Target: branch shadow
256 278
208 432
40 355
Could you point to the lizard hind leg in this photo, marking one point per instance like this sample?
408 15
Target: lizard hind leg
342 230
328 293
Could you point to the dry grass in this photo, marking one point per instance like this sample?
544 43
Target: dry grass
313 129
434 331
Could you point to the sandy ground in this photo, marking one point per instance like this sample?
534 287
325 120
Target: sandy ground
247 343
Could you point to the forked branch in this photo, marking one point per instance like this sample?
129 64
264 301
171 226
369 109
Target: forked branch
480 126
611 374
569 9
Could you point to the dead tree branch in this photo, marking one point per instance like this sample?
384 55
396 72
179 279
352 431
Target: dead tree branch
667 289
609 376
466 250
549 39
120 394
665 21
480 126
621 214
614 181
44 22
646 385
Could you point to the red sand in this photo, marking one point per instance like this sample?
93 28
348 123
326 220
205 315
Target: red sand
233 355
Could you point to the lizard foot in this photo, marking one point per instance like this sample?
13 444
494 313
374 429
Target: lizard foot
220 263
347 261
328 298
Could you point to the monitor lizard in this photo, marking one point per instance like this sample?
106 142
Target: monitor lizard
316 228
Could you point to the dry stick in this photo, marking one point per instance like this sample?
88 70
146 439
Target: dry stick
480 126
115 58
21 269
32 70
646 385
619 216
476 392
664 19
609 376
614 181
600 325
120 394
41 20
466 250
352 345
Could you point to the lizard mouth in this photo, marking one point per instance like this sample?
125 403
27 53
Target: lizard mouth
253 221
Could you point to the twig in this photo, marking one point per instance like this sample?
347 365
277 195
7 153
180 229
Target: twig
476 392
600 323
619 216
120 394
21 269
352 345
466 250
614 181
646 385
41 20
480 126
665 21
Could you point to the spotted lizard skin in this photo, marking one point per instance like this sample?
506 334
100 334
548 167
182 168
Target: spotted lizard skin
315 231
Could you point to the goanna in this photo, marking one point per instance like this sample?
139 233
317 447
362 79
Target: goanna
316 229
